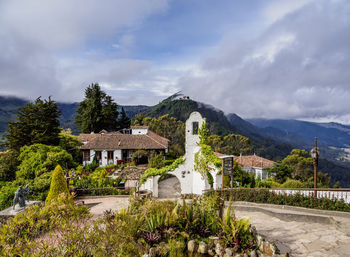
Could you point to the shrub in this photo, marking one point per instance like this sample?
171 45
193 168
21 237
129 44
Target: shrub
156 161
58 185
7 193
291 183
18 234
139 156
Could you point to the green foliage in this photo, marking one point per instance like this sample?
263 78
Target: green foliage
70 143
280 171
8 165
301 163
61 229
268 183
37 123
162 171
302 168
204 134
139 156
38 159
17 236
157 161
124 121
167 127
291 183
236 144
97 111
231 144
7 192
266 196
58 185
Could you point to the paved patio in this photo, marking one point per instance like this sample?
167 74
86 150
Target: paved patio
300 232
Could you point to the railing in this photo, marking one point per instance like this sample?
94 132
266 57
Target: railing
321 193
329 193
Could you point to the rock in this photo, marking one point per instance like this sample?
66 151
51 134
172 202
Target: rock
145 255
203 248
192 246
152 252
211 252
229 251
270 249
245 255
253 254
218 249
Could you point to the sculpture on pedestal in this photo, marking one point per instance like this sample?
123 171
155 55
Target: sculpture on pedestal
20 196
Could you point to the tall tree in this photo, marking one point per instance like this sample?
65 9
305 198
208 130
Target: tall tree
97 111
124 121
37 123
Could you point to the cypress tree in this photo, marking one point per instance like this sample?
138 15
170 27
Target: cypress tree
58 185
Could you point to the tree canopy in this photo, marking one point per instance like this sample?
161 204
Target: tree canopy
38 159
37 123
124 121
168 127
97 111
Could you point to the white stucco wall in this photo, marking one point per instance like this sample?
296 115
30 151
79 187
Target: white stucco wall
139 131
191 181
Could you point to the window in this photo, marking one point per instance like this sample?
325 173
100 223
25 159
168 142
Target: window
110 155
98 155
195 128
86 155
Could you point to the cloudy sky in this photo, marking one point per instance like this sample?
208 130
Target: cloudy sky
257 58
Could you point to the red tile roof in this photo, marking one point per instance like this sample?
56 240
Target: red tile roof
254 161
123 141
139 127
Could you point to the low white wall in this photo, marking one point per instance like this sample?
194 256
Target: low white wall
345 195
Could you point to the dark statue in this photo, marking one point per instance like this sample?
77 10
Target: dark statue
20 196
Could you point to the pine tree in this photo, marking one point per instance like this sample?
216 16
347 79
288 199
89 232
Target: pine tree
124 121
97 111
37 122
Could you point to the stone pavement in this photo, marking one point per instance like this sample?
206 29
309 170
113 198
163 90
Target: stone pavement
298 231
98 205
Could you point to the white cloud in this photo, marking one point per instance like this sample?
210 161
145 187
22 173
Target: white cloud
297 67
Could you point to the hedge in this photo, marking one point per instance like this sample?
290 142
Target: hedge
102 191
299 200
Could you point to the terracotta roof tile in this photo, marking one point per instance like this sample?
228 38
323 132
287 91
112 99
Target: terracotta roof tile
254 161
139 127
124 141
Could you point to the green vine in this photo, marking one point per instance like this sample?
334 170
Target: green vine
205 158
162 171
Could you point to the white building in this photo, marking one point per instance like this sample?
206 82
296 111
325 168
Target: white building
116 147
254 164
191 181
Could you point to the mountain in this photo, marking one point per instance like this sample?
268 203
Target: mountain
181 107
10 104
268 140
331 134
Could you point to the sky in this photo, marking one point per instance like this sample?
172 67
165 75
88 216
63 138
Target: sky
287 59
